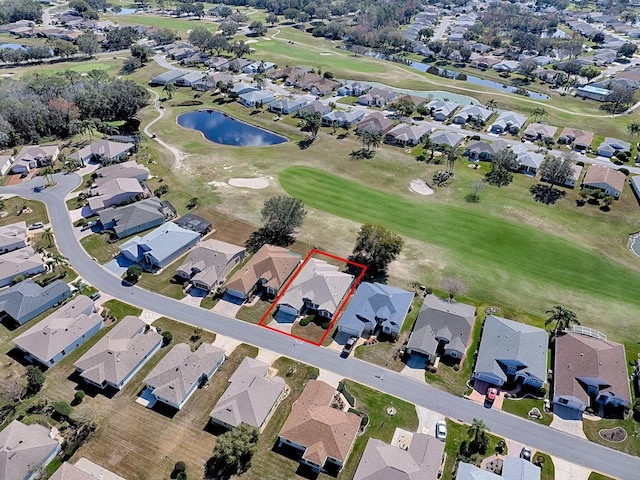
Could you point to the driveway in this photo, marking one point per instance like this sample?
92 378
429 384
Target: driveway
427 420
568 420
118 266
228 309
570 471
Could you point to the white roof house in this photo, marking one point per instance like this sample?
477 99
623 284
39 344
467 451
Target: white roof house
24 450
24 261
13 237
113 192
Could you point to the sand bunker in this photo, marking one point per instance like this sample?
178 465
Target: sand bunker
325 54
420 187
248 42
254 183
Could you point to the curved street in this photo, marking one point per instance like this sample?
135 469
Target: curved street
553 442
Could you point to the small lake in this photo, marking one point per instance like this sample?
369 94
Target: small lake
126 11
221 128
479 81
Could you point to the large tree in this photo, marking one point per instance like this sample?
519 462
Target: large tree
88 44
201 37
556 171
502 165
562 318
233 452
281 216
376 247
478 438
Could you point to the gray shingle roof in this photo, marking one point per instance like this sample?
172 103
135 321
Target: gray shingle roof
440 319
68 471
23 449
27 299
116 354
10 234
176 373
130 218
506 342
210 261
250 396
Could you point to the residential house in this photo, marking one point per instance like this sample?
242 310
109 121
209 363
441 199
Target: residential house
182 371
255 98
508 122
472 114
243 87
539 131
13 237
314 107
26 300
513 468
511 352
115 192
238 64
375 307
103 151
288 73
217 63
303 80
529 162
573 179
119 355
407 135
506 66
180 53
288 105
413 100
136 217
485 63
250 398
354 89
593 93
579 139
611 146
189 79
167 77
211 82
317 288
482 150
635 185
207 265
377 97
320 435
5 163
606 179
34 156
23 262
264 273
421 459
60 333
129 169
590 371
195 223
323 87
25 450
340 118
258 67
442 328
441 110
69 471
375 123
441 138
159 248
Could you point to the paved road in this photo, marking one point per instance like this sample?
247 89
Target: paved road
542 438
442 27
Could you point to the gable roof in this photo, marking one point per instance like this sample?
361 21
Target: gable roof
273 264
23 301
10 234
508 119
116 354
374 301
324 431
441 319
176 373
441 106
19 261
161 243
136 214
381 461
23 448
375 122
35 152
250 396
598 174
508 342
129 169
103 148
60 329
210 261
324 284
474 111
581 360
68 471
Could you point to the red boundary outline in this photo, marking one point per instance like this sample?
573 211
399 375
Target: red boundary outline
356 282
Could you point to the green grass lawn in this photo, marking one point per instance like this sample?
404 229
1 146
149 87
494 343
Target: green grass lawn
598 476
548 469
98 247
120 309
522 407
180 25
631 445
20 210
488 252
163 282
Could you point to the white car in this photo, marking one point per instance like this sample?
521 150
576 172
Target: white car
441 430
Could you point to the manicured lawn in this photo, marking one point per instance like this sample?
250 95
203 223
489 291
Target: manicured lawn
120 309
97 246
523 406
598 476
163 282
14 205
253 313
150 20
631 445
382 353
488 252
548 470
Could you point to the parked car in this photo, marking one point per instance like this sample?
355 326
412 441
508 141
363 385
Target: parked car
346 350
89 225
492 393
441 430
95 296
36 225
525 454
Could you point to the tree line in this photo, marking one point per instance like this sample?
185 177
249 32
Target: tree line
15 10
41 107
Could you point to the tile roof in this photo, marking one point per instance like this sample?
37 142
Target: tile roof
578 136
23 449
116 354
250 396
176 373
324 431
540 130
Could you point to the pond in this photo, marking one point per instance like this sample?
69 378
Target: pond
634 243
221 128
125 11
479 81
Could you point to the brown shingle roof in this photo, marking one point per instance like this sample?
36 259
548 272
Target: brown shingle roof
323 430
598 174
578 136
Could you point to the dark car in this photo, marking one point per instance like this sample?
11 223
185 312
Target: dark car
525 454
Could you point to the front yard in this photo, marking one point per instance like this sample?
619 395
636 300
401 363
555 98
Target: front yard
631 445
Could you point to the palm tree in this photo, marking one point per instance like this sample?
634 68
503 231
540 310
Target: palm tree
452 156
260 79
374 140
478 440
169 88
539 112
634 129
47 234
47 172
562 317
492 104
59 260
